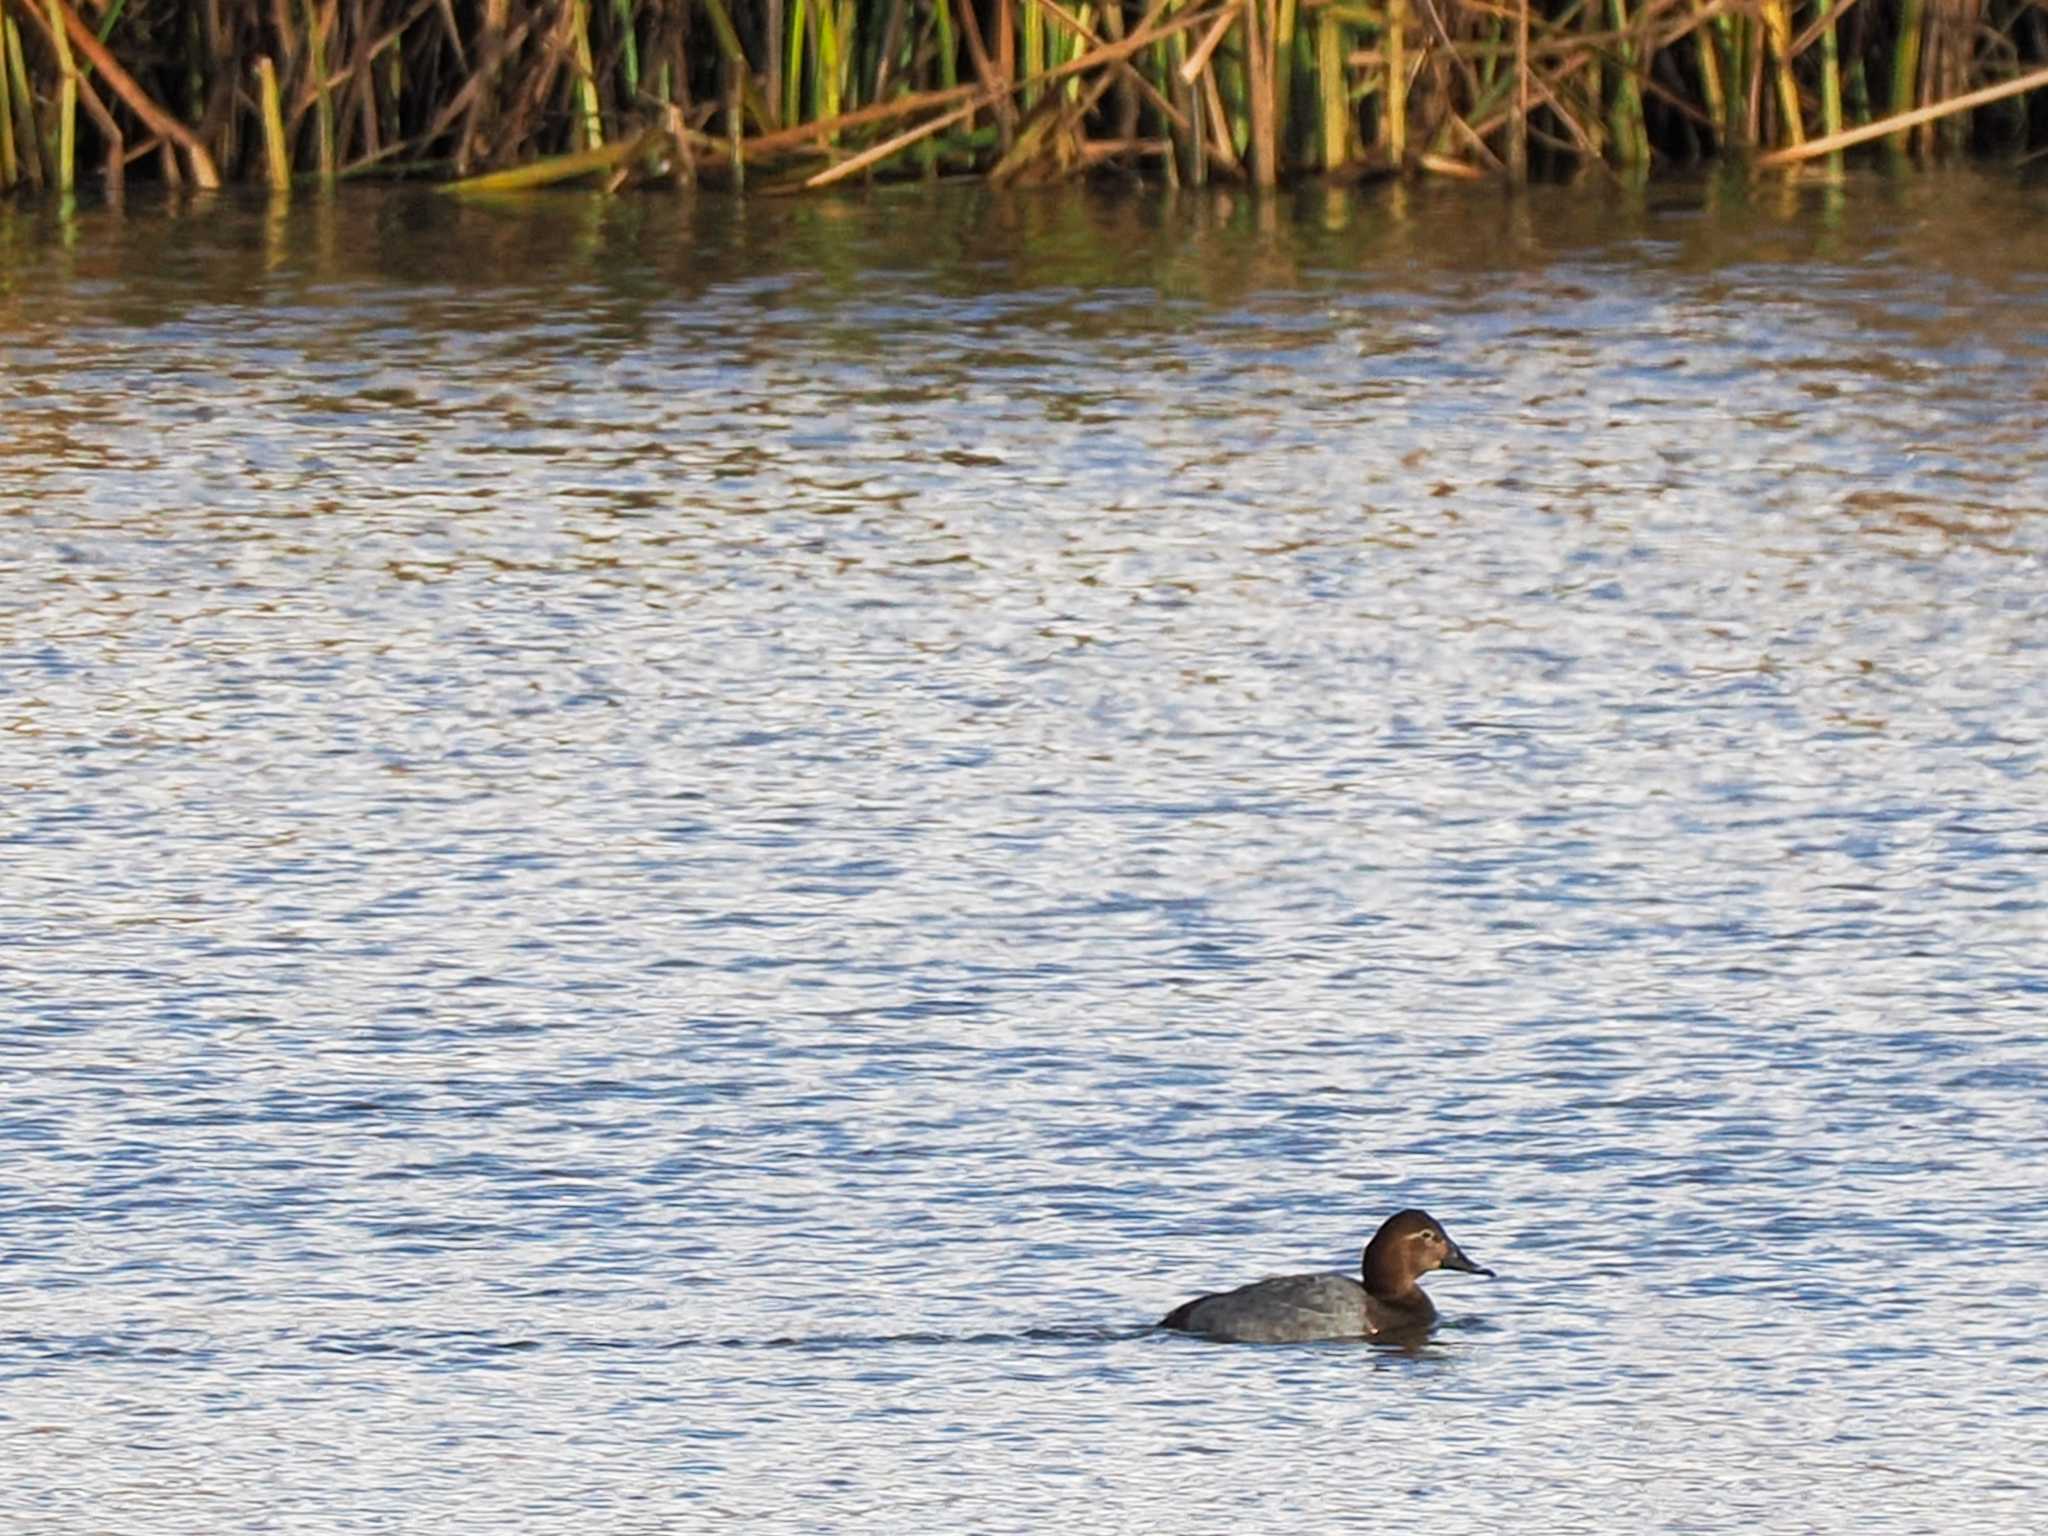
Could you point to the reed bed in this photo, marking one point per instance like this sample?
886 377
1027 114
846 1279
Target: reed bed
500 94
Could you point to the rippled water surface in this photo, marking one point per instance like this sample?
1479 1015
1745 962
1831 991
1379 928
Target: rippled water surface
672 865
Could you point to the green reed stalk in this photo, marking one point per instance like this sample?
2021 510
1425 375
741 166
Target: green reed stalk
1906 63
67 102
733 59
27 142
1625 111
394 89
629 51
1332 93
948 44
1193 144
316 49
1709 59
793 64
1830 87
1744 70
826 22
1856 91
1031 38
590 116
1283 42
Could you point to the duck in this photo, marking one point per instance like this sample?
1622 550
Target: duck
1291 1309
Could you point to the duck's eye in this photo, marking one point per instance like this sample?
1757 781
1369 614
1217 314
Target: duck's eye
1426 1236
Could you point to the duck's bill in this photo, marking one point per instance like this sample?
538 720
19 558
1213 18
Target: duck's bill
1456 1259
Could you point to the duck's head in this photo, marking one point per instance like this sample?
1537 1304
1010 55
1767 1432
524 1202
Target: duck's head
1408 1245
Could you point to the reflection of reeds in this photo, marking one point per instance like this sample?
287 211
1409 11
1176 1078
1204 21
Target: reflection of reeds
786 92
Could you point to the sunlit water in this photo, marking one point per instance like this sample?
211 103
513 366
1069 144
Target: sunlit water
671 865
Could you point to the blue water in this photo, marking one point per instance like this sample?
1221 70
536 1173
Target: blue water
673 864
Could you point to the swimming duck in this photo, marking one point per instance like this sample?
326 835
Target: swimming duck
1291 1308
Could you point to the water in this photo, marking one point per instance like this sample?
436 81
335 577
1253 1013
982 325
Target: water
673 864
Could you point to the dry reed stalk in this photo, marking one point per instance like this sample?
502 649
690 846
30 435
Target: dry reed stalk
1489 84
1820 23
678 130
1960 24
986 71
80 37
1778 28
276 155
1899 121
1518 139
472 102
1198 59
1006 44
1102 49
559 168
1476 141
1447 48
766 144
735 123
1221 149
1580 138
10 163
1259 22
1051 133
1061 128
1099 151
1456 170
110 134
1397 81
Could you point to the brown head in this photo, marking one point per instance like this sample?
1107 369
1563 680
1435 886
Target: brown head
1408 1245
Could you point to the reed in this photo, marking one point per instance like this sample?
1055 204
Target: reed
67 100
27 165
782 94
276 160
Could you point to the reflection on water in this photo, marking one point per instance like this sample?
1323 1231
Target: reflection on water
683 859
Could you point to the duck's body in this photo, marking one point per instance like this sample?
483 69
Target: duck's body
1290 1309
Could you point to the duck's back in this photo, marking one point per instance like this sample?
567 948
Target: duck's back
1284 1310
